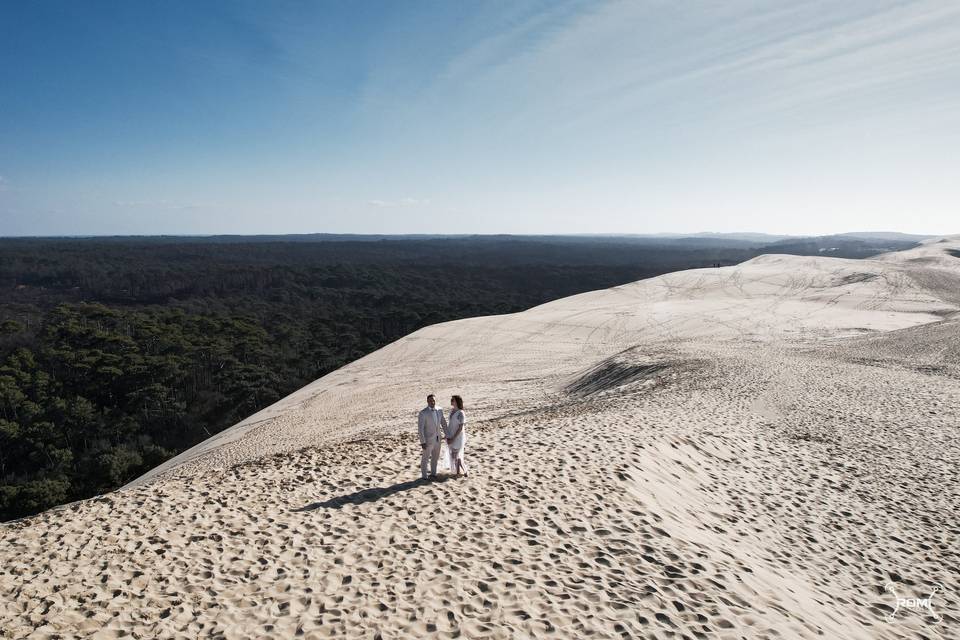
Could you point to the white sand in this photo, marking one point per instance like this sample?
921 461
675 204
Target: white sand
751 451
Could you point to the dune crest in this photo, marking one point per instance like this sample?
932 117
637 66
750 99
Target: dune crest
748 451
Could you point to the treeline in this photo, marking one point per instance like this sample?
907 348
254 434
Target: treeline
117 354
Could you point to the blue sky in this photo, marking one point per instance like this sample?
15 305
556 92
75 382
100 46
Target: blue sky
489 117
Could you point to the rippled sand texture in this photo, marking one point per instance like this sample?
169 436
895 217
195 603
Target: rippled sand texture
746 452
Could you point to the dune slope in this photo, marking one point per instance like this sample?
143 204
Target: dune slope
766 450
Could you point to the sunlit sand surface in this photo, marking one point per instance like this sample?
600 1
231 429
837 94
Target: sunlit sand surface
744 452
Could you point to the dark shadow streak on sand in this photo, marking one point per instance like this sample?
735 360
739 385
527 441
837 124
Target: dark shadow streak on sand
369 495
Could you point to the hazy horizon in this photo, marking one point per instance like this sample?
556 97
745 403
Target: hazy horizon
760 235
529 118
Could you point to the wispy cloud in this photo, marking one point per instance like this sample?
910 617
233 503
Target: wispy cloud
4 184
402 202
162 204
618 67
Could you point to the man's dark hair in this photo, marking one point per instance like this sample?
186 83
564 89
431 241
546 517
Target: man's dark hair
429 396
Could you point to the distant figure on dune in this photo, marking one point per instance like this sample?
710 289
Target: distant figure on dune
456 437
430 422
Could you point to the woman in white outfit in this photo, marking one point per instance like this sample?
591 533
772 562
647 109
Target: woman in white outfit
456 436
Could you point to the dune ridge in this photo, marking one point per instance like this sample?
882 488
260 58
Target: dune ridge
749 451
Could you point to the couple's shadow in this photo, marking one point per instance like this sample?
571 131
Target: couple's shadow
370 495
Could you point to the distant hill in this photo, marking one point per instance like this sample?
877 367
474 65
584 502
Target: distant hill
887 235
746 236
847 245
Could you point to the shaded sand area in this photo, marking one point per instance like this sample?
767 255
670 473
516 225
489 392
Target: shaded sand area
746 452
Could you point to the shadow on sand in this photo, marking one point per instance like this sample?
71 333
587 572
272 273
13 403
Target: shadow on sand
369 495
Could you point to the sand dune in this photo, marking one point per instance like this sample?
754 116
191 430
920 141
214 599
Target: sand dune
746 452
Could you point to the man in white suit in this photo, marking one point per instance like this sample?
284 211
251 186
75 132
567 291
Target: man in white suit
430 427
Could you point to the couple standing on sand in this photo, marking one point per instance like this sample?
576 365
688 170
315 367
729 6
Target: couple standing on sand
431 426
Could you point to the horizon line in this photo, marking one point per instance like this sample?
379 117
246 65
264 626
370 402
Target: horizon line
613 234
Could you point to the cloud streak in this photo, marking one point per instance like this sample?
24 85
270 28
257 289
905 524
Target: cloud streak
402 202
594 72
162 204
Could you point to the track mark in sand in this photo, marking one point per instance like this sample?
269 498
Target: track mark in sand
625 368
